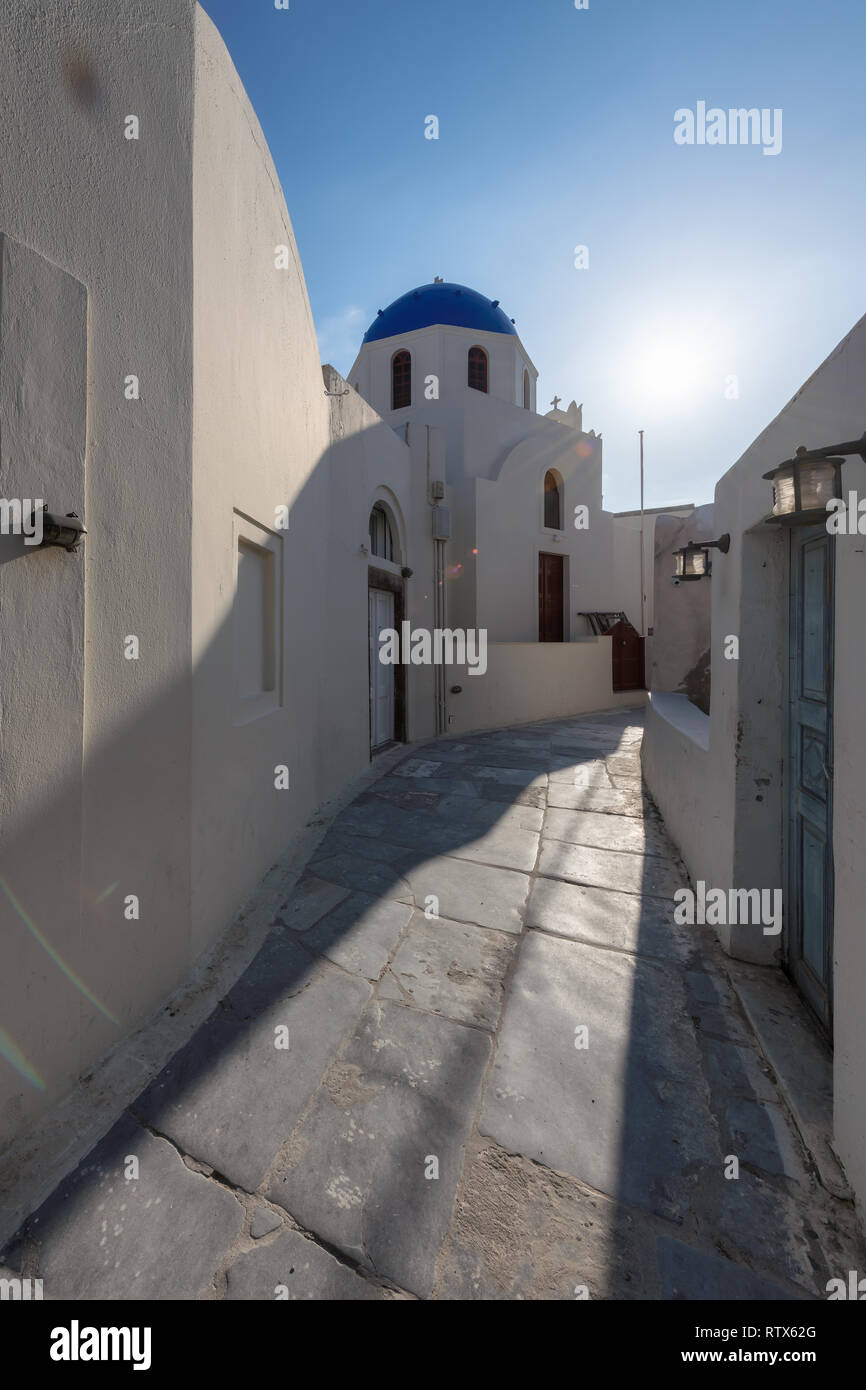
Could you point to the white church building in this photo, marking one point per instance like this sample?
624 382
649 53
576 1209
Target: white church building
522 548
194 681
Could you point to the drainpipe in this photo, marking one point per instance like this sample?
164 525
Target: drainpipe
642 584
441 703
438 606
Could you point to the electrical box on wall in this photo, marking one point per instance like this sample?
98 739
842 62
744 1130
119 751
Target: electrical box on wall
437 490
441 523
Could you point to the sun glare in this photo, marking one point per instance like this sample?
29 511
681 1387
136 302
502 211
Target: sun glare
670 367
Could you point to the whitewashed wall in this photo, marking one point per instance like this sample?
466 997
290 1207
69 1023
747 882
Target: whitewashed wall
526 681
735 831
115 217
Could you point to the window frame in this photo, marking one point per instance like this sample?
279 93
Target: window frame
379 510
556 491
485 358
404 357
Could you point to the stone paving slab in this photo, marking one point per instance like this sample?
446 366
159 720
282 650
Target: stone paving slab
690 1274
404 1093
593 772
536 741
451 969
494 837
357 872
360 933
280 969
623 921
489 790
468 892
400 830
601 831
505 846
231 1097
625 763
720 1021
311 899
408 795
509 757
464 810
629 1121
760 1137
343 842
739 1069
442 827
438 774
801 1061
808 1244
520 1231
618 801
292 1268
509 776
160 1235
605 868
588 743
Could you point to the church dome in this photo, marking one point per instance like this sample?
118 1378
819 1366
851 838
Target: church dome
454 305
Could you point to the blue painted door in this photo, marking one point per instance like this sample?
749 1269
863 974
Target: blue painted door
809 915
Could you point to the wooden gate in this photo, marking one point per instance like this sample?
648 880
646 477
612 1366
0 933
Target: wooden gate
627 657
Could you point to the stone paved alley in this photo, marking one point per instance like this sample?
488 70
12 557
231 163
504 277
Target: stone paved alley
423 1044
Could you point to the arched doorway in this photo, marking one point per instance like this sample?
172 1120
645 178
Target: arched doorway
385 612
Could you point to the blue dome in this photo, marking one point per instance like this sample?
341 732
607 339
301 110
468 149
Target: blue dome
446 303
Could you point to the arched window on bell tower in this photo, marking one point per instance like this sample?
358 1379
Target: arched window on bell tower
478 369
401 380
527 390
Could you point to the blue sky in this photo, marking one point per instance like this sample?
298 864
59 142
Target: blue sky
556 130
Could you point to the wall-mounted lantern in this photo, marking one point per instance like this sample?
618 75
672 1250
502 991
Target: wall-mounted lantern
804 484
693 560
66 531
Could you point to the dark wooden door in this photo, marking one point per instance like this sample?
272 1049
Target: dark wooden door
550 598
626 657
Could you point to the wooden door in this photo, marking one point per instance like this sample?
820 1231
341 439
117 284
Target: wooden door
627 659
381 604
809 897
550 598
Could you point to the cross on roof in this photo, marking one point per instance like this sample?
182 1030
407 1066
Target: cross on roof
438 280
555 402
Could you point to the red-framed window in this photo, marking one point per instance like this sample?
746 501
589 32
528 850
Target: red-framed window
401 380
478 369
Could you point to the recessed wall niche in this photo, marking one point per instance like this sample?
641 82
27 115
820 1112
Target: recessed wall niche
256 620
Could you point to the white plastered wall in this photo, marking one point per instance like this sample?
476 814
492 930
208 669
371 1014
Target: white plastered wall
115 217
736 830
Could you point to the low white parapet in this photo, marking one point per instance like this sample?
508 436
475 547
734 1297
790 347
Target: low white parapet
526 681
674 755
682 715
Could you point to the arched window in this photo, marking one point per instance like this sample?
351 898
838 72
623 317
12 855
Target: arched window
527 391
381 533
552 502
401 380
478 369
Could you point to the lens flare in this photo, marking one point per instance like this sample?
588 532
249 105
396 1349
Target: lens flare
58 960
19 1061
